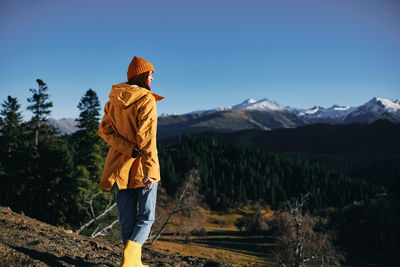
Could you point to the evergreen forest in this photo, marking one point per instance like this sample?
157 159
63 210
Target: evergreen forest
233 175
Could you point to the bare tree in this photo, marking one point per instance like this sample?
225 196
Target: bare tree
184 204
303 240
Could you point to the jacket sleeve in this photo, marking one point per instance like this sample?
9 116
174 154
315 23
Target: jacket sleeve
146 136
107 132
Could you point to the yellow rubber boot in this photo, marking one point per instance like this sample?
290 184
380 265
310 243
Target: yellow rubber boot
132 256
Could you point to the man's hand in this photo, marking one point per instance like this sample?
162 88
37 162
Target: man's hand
148 182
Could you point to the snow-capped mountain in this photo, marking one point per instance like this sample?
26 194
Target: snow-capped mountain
264 104
376 108
245 104
267 114
334 113
381 105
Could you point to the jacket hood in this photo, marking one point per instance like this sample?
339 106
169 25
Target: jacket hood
123 95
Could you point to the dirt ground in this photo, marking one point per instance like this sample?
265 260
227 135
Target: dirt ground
28 242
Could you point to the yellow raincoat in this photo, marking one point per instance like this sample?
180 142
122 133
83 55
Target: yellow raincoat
130 118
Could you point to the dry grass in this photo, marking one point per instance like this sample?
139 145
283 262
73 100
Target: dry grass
205 251
222 241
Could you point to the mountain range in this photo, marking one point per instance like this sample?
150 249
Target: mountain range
264 114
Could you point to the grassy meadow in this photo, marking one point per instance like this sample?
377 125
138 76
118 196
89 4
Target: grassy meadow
221 240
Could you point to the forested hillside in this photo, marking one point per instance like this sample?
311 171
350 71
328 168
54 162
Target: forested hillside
367 151
236 174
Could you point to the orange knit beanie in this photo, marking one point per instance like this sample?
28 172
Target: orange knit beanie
138 66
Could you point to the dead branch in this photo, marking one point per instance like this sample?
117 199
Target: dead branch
104 230
95 218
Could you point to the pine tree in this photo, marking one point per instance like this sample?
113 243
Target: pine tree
10 124
89 107
88 144
40 107
89 154
12 152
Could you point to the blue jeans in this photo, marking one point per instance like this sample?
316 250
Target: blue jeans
136 210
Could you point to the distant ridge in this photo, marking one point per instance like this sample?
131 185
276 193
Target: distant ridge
264 114
65 126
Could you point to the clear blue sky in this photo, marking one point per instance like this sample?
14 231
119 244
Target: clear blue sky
206 53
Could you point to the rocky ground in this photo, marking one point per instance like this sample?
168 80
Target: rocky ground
28 242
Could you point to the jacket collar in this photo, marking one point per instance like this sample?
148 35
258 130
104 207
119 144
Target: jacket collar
156 96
